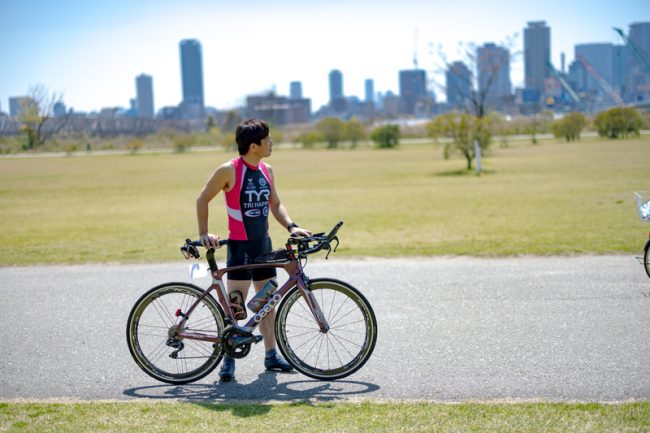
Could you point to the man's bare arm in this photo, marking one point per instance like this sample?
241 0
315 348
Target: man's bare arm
220 180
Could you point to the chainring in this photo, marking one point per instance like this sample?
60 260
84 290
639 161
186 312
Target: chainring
228 341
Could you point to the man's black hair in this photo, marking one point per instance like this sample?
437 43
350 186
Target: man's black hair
250 131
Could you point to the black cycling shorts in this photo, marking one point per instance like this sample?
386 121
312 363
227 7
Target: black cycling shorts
245 253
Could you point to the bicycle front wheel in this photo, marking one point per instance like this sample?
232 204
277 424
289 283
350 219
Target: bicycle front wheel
340 351
151 333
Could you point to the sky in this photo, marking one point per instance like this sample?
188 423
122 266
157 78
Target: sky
91 51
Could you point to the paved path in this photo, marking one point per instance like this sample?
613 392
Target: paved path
450 329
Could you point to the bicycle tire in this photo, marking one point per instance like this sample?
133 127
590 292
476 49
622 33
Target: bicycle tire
298 334
646 259
147 341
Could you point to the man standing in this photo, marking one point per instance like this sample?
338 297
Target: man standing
250 192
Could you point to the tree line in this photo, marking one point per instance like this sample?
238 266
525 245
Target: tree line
465 133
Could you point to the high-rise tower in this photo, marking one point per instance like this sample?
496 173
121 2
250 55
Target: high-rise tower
144 96
369 86
295 90
459 86
412 89
336 84
493 64
192 106
337 99
537 55
639 64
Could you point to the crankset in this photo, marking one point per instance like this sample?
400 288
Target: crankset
237 342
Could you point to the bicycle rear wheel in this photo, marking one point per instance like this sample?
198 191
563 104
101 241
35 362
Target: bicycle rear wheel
152 340
344 348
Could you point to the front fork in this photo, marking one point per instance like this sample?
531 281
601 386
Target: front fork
304 285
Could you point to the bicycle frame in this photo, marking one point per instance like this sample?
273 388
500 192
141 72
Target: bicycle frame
296 278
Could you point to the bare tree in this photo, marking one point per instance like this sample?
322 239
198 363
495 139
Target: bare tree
483 66
37 115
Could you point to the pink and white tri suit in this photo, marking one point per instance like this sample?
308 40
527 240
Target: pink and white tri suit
248 202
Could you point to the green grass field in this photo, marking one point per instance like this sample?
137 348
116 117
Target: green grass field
304 417
554 198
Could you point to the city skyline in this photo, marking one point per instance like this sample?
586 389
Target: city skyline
83 53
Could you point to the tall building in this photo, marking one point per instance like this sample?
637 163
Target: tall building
295 90
537 55
412 89
638 81
459 86
369 87
336 84
144 96
600 56
18 103
192 106
493 68
337 98
621 68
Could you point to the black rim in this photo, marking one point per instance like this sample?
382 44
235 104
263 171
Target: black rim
341 351
149 322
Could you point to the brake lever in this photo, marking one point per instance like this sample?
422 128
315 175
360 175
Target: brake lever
329 250
335 238
189 250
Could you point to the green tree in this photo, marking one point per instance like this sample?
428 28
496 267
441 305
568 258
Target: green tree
462 129
570 126
332 130
354 131
619 122
386 137
309 138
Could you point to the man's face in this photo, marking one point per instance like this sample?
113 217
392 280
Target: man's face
265 147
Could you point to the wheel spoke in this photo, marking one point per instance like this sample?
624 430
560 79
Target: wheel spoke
343 346
305 307
157 353
313 331
302 317
346 324
355 308
331 307
334 349
162 313
340 307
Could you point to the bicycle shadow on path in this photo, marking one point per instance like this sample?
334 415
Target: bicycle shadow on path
264 389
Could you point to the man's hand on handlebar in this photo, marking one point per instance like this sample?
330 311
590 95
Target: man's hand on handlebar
299 232
208 240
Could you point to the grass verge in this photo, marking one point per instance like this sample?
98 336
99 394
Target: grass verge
322 417
555 198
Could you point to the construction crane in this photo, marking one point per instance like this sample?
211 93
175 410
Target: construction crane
638 54
564 83
601 81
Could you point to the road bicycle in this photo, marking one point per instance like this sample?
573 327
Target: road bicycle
643 207
325 328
